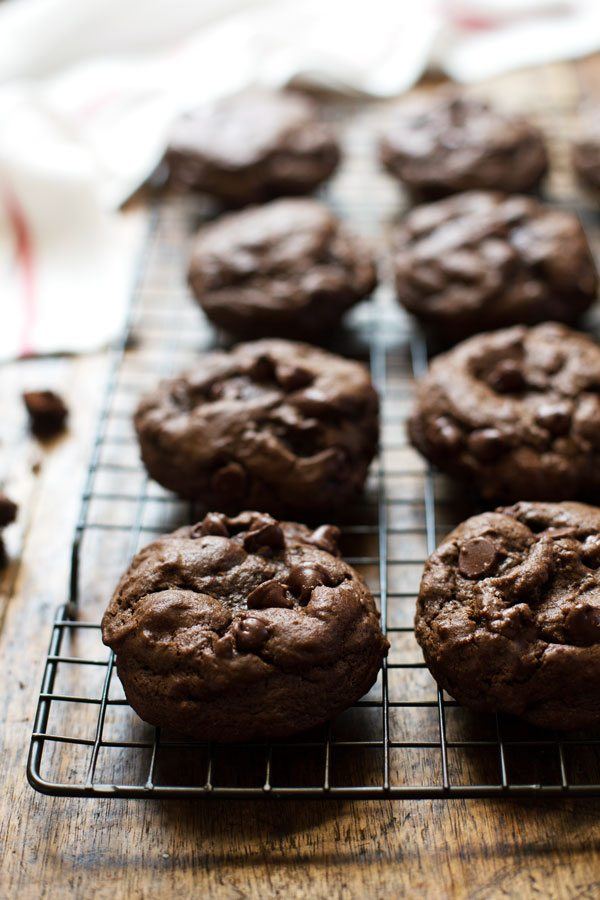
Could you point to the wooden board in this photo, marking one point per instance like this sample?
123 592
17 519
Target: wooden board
56 847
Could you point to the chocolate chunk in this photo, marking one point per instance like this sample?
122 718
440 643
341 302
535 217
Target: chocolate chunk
262 368
8 511
487 443
292 378
269 594
313 402
47 412
590 551
212 523
477 557
556 417
582 625
250 633
507 377
265 535
447 433
230 481
303 580
326 537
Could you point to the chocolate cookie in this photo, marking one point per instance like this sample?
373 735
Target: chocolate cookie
251 147
288 268
516 413
483 260
446 143
270 424
586 150
243 629
508 614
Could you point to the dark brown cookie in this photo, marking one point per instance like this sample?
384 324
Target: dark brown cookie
508 614
251 147
586 150
445 143
270 424
516 413
243 629
483 260
288 268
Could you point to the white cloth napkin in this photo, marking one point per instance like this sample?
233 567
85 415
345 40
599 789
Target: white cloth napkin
89 89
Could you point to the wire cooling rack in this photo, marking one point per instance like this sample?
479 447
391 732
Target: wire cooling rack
405 738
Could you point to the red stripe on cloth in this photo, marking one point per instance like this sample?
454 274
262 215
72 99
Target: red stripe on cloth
24 255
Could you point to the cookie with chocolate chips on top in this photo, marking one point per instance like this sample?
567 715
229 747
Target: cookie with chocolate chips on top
271 424
243 628
516 413
508 614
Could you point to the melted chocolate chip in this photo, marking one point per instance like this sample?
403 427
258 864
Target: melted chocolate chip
326 537
47 412
230 481
507 377
590 551
314 402
447 433
265 534
212 523
250 633
556 417
487 443
303 580
262 368
292 378
582 625
270 594
477 557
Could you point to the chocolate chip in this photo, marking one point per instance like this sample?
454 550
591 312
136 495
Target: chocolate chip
582 625
292 378
314 402
265 534
303 580
447 433
587 419
477 557
507 377
326 537
8 511
212 523
487 443
47 412
230 481
555 417
590 551
250 633
269 594
262 368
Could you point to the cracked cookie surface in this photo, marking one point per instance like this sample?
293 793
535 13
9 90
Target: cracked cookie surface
288 268
508 614
271 424
251 147
482 260
447 143
243 628
516 413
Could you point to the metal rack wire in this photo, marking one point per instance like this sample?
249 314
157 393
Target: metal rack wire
405 738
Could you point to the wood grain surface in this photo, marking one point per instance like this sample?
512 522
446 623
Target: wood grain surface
54 848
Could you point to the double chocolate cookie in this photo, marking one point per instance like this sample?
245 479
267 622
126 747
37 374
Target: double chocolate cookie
446 143
508 614
251 147
516 413
288 268
483 260
272 424
586 150
243 629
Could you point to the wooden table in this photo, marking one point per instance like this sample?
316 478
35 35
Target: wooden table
60 847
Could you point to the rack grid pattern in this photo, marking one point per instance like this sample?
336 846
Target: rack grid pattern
405 738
